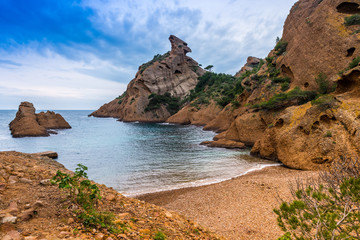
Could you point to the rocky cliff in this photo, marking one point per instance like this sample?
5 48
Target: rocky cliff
158 87
29 124
299 105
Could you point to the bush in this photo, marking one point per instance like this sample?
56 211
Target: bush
121 97
86 195
324 102
220 87
294 97
281 80
285 86
324 84
280 47
156 58
160 236
354 63
156 101
324 208
352 20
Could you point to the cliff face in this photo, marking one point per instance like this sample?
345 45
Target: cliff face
284 125
173 73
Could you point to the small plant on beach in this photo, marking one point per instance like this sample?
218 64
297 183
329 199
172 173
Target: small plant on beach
324 208
159 236
86 195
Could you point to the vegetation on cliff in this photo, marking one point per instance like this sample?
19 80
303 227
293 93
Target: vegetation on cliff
156 101
156 58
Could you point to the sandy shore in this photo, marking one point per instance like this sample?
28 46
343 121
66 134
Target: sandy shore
241 208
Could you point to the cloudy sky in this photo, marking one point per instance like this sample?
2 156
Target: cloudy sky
74 54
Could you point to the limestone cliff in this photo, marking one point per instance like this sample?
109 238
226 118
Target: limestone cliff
166 78
28 123
286 108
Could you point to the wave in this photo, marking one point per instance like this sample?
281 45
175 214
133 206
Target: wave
197 183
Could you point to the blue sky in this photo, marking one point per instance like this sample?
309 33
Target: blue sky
74 54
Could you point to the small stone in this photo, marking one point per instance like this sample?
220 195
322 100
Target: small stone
38 204
12 209
45 182
13 235
99 236
26 215
110 197
13 179
9 219
30 238
168 214
25 180
64 234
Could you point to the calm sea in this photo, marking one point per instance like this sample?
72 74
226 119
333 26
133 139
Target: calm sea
135 158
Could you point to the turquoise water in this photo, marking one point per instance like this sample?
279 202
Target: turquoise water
135 158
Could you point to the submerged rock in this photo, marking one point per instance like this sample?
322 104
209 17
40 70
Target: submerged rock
29 124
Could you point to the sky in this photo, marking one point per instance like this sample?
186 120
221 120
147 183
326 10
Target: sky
80 54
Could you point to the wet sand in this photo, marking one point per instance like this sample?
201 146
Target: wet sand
240 208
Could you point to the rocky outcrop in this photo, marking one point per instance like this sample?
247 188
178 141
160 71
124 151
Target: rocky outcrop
250 64
315 43
29 124
318 40
173 73
33 208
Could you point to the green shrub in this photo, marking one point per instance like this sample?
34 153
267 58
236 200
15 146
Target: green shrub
120 98
156 58
156 101
324 102
352 20
220 87
159 236
285 86
326 207
86 195
280 47
354 63
281 79
324 84
328 134
294 97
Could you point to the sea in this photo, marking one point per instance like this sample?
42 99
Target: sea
136 158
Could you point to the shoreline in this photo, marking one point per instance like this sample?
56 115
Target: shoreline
205 182
239 208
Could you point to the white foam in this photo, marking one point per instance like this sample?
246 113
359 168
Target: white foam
197 183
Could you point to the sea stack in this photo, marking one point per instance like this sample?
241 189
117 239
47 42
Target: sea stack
29 124
159 85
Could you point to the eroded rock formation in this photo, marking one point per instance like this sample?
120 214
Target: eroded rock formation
173 73
29 124
314 134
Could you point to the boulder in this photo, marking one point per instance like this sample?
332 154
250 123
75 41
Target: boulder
250 64
29 124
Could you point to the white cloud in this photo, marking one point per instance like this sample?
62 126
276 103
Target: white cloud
86 75
53 78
